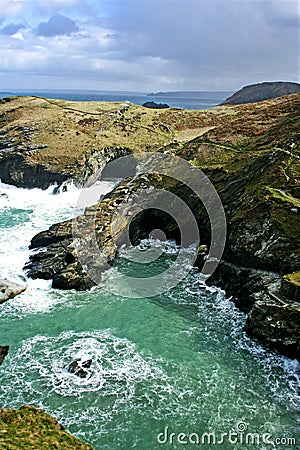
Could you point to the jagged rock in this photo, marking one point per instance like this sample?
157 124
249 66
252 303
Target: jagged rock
9 289
276 325
79 367
244 284
3 352
16 170
290 290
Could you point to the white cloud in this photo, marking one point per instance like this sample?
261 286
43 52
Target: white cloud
11 7
19 36
57 3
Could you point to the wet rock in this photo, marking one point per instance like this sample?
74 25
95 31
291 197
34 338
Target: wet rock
16 170
9 289
3 352
244 284
79 367
276 325
58 232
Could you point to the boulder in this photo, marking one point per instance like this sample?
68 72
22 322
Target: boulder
9 289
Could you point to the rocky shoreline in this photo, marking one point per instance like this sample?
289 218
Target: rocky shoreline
251 154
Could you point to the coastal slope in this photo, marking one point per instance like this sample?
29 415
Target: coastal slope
262 91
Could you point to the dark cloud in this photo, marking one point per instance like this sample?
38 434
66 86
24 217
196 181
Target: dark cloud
12 28
57 25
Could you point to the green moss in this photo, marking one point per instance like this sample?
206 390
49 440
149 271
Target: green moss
293 278
284 196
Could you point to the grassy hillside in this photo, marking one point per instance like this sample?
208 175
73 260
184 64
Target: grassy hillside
32 428
61 135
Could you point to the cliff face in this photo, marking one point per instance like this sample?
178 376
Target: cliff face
251 154
262 91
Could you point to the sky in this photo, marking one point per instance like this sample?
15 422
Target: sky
147 45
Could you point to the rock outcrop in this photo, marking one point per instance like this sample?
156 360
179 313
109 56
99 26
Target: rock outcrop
29 427
276 324
262 91
9 289
155 105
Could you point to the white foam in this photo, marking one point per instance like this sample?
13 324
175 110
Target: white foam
40 209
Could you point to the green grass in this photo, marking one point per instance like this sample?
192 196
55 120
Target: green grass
293 278
284 196
32 428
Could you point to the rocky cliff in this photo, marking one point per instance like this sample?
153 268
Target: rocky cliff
262 91
251 154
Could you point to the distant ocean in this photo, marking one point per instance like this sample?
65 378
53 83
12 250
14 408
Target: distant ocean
186 100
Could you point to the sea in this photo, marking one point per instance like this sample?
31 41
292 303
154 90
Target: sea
171 371
186 100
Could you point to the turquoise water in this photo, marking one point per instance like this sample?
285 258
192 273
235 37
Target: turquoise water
180 360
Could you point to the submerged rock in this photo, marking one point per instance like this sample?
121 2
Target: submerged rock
9 289
3 352
79 367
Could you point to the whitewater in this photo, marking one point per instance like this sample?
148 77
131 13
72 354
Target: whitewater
179 361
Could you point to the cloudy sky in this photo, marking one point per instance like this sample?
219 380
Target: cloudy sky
147 45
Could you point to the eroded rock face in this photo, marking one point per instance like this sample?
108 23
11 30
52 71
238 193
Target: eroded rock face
3 352
58 260
9 289
245 285
277 325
